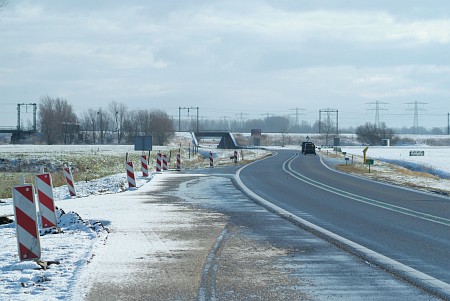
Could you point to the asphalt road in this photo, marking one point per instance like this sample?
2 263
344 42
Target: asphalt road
411 227
221 245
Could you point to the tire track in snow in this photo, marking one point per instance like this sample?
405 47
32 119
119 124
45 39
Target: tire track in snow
207 289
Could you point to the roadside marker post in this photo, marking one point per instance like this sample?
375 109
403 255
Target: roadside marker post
130 175
158 162
69 181
28 241
144 166
211 159
164 160
178 162
47 212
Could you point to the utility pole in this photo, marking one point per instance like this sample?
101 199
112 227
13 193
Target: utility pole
329 113
241 118
448 123
188 111
19 121
377 110
416 110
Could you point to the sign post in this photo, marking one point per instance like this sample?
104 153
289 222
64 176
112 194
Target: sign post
364 153
369 162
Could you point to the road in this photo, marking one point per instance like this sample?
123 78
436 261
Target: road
407 226
214 242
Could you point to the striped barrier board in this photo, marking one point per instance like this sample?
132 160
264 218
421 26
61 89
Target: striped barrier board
69 181
178 162
164 160
158 162
130 175
47 212
144 166
28 242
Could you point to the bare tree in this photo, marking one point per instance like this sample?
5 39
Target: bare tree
372 134
3 3
119 111
162 127
57 120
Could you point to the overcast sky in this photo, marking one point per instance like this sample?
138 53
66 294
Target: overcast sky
231 57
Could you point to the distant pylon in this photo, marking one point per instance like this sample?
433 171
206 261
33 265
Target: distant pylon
416 114
377 110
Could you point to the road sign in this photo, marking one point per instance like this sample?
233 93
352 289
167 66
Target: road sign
369 161
416 153
143 143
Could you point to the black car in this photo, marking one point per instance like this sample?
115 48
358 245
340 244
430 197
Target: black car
309 148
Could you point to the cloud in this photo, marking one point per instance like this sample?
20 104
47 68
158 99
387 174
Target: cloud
234 54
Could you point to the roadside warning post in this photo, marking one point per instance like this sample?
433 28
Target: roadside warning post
69 181
178 162
158 162
47 212
164 160
211 159
130 175
26 222
144 166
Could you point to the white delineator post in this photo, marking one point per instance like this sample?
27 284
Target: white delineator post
158 162
44 188
130 175
144 166
69 180
164 159
28 242
178 162
211 159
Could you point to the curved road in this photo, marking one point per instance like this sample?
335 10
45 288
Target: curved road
408 226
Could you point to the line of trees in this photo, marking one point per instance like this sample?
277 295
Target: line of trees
116 124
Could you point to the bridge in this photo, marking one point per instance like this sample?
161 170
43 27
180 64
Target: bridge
17 134
227 140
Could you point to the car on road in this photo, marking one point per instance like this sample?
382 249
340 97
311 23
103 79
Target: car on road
309 148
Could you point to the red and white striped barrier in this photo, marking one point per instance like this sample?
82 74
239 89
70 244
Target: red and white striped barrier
28 242
44 188
158 162
164 159
144 166
69 181
130 175
211 159
178 162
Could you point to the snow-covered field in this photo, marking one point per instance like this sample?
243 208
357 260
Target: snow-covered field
436 160
82 235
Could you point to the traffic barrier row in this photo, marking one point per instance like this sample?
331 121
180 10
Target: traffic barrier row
162 162
28 239
27 227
